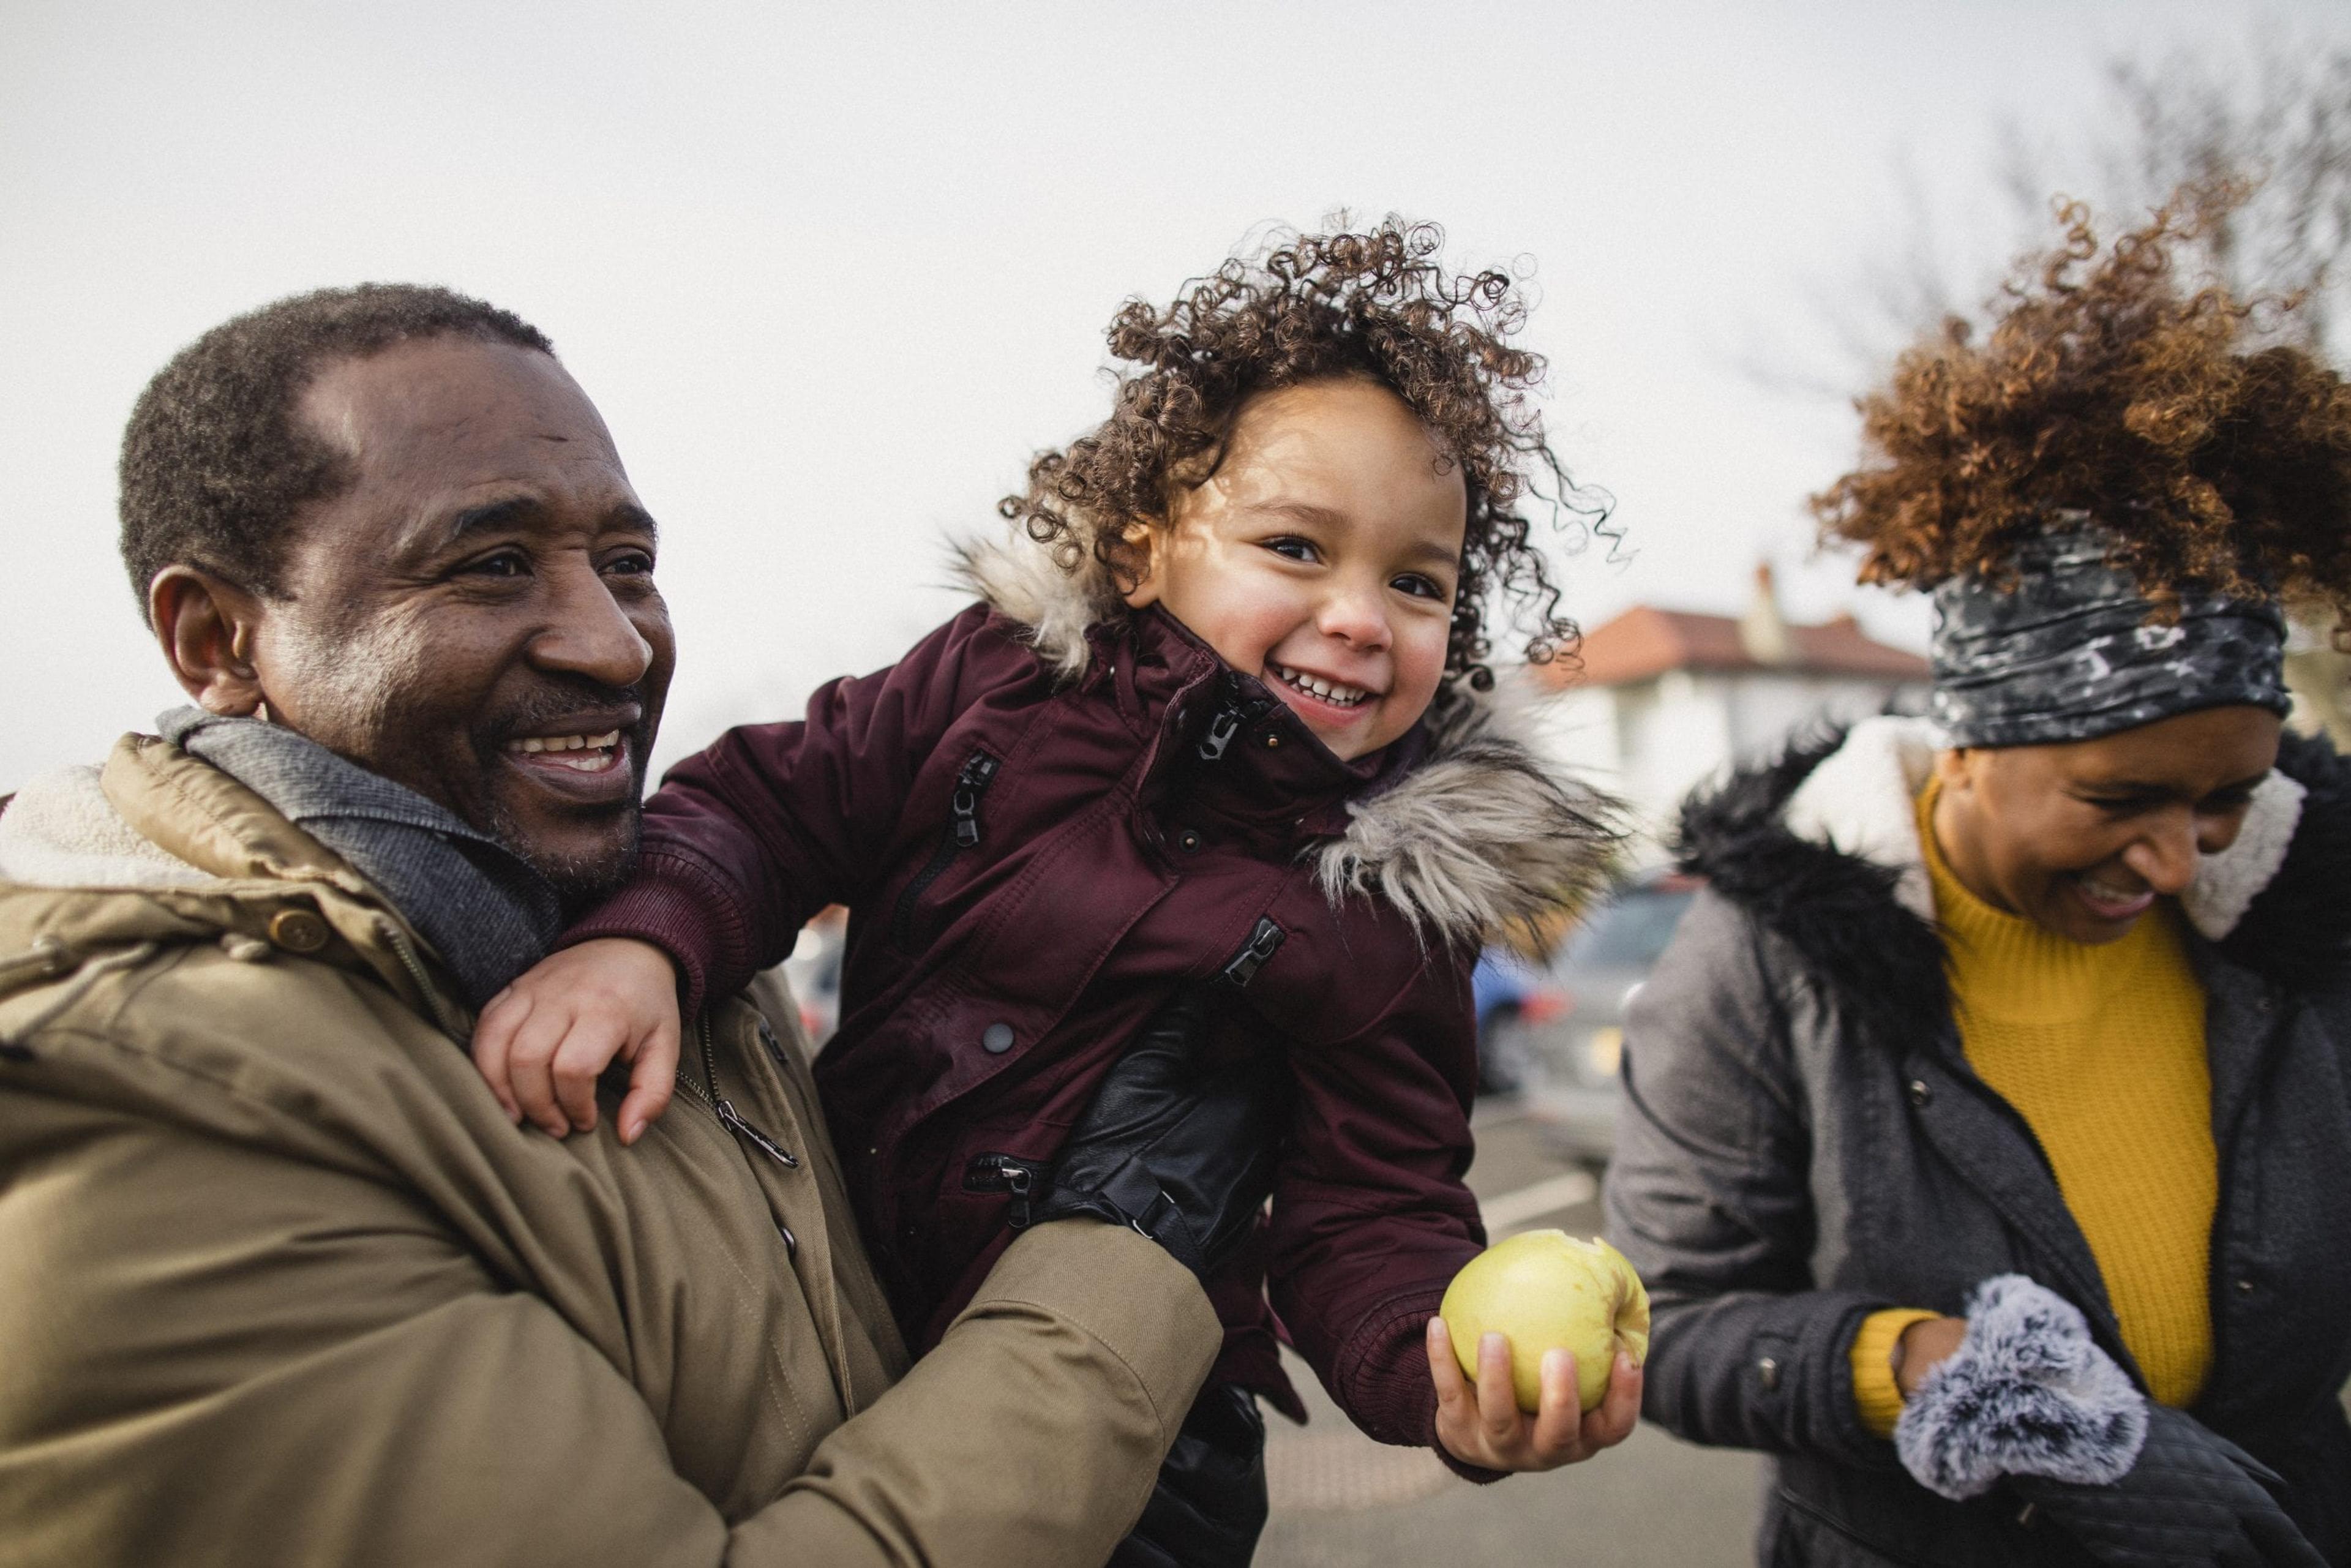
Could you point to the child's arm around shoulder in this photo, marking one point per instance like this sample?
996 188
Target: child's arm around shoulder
742 843
746 840
543 1041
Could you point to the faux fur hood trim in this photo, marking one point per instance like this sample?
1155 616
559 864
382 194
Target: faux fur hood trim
1018 578
1487 835
61 831
1821 846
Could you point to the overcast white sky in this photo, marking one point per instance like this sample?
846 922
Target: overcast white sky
833 272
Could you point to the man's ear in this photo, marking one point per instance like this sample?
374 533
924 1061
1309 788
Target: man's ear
207 626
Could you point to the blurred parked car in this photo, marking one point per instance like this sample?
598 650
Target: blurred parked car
814 970
1557 1029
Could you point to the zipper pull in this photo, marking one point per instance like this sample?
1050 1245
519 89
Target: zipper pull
1242 966
735 1123
973 780
1221 731
1024 1179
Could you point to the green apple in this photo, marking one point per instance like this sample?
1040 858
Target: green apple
1542 1290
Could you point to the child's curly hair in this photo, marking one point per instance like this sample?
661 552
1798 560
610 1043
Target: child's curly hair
1309 308
2104 388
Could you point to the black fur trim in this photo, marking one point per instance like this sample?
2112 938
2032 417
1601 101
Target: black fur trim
1836 910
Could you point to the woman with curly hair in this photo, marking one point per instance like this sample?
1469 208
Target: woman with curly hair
1987 1138
1213 730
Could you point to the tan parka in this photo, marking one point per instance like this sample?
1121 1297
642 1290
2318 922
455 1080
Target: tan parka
279 1284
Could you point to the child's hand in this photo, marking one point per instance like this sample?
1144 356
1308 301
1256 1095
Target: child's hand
544 1040
1484 1425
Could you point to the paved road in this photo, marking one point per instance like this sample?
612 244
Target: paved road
1342 1500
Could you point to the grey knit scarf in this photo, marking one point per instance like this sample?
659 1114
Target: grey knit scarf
487 913
2074 651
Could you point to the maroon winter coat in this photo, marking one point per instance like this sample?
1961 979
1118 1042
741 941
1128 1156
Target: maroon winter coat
1047 818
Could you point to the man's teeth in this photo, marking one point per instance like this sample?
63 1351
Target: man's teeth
598 748
1329 691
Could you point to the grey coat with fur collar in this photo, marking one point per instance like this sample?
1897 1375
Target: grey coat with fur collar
1802 1144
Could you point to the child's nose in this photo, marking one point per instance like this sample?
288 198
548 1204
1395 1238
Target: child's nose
1354 615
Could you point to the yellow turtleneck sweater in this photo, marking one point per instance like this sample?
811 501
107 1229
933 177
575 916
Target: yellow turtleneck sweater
2101 1049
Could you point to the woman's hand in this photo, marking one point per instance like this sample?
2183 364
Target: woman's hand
1484 1425
1922 1347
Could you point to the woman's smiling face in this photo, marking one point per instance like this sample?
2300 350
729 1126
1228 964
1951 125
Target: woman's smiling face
2082 839
1323 557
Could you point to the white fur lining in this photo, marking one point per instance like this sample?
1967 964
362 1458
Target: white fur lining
1863 800
1019 579
62 831
2227 883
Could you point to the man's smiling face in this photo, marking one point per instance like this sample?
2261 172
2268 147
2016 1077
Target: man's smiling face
474 616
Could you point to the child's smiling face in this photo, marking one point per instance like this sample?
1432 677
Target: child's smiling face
1323 557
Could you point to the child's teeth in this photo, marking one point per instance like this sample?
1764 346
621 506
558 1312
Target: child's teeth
1329 691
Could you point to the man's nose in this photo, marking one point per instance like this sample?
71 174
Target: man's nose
587 634
2165 856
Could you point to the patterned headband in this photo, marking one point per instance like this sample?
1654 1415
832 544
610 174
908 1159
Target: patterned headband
2072 651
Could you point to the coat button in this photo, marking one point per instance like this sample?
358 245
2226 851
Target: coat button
995 1039
298 931
1272 741
1767 1373
1919 1092
1188 841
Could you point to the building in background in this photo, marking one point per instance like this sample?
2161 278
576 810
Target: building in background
1661 700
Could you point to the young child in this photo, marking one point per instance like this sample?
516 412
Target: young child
1216 722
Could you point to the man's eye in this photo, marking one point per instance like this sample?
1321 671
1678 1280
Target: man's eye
499 563
631 563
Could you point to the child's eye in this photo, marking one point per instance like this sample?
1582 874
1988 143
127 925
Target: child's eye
1419 587
1294 548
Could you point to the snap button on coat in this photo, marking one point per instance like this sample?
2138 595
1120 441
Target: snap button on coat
298 931
1919 1092
996 1038
1767 1372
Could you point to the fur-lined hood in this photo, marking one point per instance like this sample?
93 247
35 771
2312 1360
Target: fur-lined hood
1487 834
1822 847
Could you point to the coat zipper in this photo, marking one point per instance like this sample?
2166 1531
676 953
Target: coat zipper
1024 1179
1242 966
450 1022
2217 1287
962 833
733 1120
724 1108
